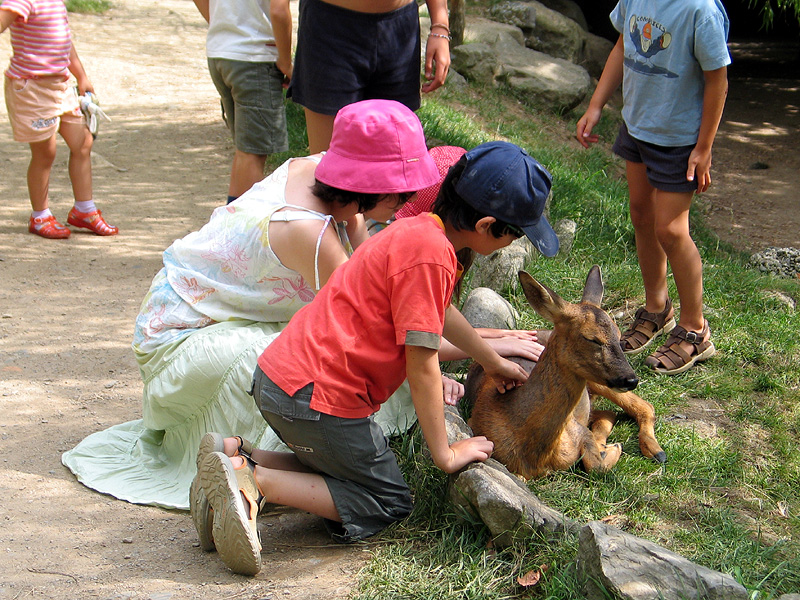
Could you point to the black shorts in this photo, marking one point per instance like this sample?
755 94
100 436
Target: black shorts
352 455
345 56
666 165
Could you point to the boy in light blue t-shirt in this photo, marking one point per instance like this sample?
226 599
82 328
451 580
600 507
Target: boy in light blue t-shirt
671 59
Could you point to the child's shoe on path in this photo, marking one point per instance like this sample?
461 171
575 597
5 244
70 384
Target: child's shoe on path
92 221
48 227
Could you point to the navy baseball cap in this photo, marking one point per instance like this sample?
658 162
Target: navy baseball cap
503 181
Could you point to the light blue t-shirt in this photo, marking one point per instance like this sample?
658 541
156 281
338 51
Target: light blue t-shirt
667 46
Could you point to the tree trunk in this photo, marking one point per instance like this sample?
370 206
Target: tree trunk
457 22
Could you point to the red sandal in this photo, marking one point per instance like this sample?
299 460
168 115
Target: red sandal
48 227
93 221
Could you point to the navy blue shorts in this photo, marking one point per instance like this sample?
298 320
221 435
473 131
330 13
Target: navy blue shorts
352 455
344 56
666 165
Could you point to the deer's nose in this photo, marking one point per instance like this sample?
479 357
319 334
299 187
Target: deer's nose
624 384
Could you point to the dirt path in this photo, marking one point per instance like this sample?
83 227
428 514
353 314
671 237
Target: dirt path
67 310
753 200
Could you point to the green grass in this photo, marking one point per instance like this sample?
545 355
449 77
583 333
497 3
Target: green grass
88 6
729 495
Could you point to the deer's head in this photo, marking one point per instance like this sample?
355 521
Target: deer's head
585 337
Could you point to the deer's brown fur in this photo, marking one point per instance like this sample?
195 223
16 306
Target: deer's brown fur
548 423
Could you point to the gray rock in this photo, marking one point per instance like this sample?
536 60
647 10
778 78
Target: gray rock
595 54
500 269
565 230
570 9
476 62
486 31
545 29
614 563
501 500
537 78
497 56
783 262
789 597
486 308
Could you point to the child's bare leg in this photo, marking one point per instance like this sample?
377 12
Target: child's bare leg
42 156
652 258
306 491
672 230
79 141
247 169
283 461
320 130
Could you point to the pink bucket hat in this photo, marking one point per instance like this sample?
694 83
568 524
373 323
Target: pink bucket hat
444 157
377 147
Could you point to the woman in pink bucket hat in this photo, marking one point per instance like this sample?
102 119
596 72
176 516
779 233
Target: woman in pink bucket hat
226 290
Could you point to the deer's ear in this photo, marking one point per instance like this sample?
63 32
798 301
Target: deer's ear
541 298
593 290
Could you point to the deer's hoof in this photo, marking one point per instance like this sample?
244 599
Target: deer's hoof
660 457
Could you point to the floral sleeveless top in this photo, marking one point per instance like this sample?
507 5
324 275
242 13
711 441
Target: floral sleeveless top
227 271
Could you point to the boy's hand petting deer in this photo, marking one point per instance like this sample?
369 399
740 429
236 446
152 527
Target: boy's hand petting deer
548 423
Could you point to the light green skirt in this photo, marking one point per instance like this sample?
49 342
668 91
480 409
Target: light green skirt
198 384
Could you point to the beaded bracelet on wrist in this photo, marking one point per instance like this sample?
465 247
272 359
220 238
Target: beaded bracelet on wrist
440 35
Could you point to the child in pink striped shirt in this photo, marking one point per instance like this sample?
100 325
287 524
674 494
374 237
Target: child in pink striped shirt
40 103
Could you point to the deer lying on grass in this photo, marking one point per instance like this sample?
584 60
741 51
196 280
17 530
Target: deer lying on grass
548 423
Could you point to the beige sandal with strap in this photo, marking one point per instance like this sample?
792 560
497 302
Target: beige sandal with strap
201 511
671 359
645 328
235 497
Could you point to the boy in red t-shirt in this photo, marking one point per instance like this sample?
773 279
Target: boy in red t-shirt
378 321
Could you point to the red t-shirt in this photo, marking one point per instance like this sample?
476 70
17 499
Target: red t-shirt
350 341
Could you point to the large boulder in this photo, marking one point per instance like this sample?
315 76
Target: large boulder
570 9
595 54
501 500
486 308
535 78
544 29
612 563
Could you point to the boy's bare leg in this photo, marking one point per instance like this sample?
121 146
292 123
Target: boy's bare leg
283 461
652 258
42 156
306 491
672 229
79 140
320 130
247 169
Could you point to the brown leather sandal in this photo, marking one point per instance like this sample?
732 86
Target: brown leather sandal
645 328
671 359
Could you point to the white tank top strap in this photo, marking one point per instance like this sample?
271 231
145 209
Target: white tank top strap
300 214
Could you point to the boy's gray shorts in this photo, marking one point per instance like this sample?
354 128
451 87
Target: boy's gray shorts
665 165
352 455
251 95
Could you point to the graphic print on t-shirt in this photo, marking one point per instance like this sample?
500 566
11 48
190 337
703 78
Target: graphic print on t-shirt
649 37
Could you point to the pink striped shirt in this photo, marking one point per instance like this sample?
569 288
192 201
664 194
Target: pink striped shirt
40 39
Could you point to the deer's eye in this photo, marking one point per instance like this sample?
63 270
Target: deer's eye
594 341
